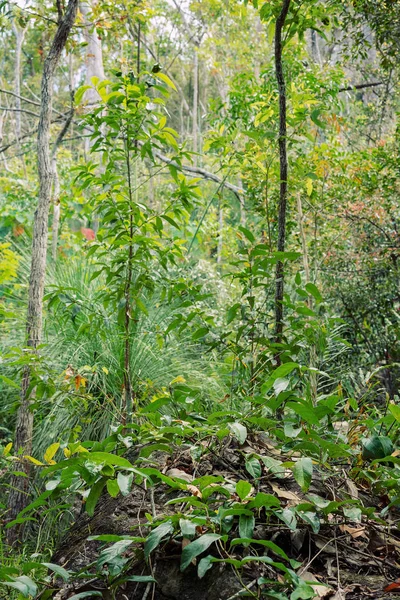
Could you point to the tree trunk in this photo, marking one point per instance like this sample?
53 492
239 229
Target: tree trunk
195 109
19 495
94 53
19 37
279 274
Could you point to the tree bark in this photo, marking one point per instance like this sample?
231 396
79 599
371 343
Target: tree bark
19 38
195 109
94 53
283 162
19 494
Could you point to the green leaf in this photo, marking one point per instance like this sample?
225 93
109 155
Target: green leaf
156 536
377 446
395 410
266 543
263 499
284 370
232 312
80 92
94 495
113 487
63 573
125 483
199 333
314 291
113 551
188 528
305 411
165 79
253 467
239 431
243 489
204 565
247 234
23 584
302 472
311 518
287 516
197 547
246 526
108 459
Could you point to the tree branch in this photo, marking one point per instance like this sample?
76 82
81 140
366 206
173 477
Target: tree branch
200 171
360 86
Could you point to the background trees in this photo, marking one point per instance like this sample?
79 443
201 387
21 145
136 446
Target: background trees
197 155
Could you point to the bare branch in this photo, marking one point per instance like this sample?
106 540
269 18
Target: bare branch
200 171
360 86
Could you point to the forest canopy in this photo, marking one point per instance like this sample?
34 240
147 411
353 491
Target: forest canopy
199 299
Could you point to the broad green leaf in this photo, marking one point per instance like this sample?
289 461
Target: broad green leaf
80 92
112 487
199 333
253 467
204 565
188 528
263 499
125 483
197 547
108 459
284 370
302 472
156 536
288 517
165 79
377 446
239 431
63 573
314 291
94 495
108 555
243 489
246 526
23 584
247 234
311 518
266 543
232 312
395 410
305 411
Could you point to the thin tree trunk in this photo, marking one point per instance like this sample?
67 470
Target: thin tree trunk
56 180
220 233
94 58
19 37
19 495
279 275
306 264
195 109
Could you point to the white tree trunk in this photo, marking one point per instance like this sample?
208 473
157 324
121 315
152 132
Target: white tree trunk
94 53
195 109
19 495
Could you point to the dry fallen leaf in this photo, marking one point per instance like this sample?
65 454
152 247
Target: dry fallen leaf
355 532
393 587
286 494
180 474
195 491
321 590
